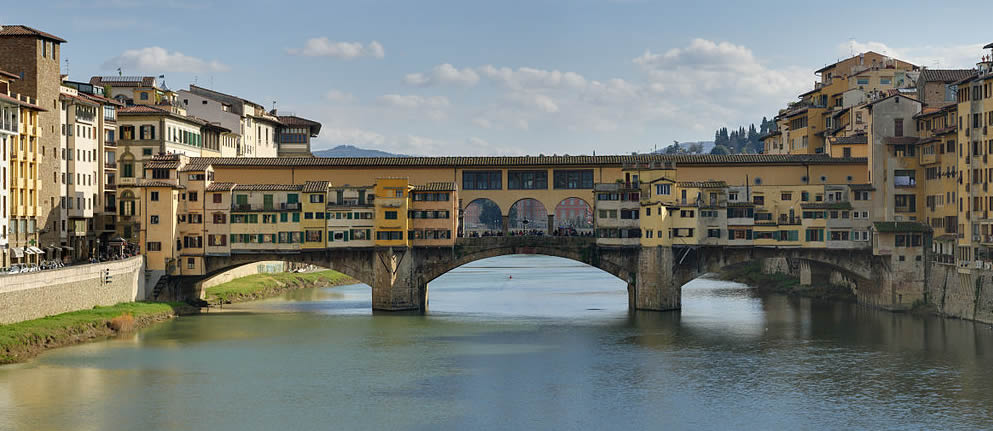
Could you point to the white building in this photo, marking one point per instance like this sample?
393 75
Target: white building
9 108
256 127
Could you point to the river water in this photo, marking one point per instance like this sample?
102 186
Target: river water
518 342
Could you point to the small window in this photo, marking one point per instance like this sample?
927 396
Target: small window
154 196
758 180
823 178
153 219
146 151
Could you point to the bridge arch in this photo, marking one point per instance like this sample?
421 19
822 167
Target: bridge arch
482 215
527 214
356 263
619 262
853 269
575 213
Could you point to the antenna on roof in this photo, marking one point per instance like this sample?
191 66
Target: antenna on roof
119 73
67 67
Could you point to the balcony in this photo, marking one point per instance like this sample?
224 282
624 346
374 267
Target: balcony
110 186
110 165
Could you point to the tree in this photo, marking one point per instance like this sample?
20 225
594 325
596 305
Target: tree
672 149
720 150
489 214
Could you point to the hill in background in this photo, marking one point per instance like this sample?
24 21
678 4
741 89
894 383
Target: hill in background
353 151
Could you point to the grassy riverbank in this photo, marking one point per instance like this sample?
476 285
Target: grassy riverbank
24 340
260 286
752 275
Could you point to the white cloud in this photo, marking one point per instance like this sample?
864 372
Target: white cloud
443 74
338 96
932 56
324 47
411 101
537 101
527 77
710 67
156 59
482 122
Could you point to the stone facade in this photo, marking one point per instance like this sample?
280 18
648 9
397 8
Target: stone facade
39 294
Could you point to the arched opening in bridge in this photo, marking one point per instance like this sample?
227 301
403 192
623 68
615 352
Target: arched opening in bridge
528 215
528 285
573 216
482 216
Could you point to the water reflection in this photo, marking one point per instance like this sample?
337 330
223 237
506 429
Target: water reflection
518 342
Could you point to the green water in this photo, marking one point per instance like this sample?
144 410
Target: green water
518 342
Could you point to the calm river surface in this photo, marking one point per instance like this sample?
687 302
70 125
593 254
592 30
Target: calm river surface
553 347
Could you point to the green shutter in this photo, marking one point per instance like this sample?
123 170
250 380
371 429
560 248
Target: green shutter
283 217
296 217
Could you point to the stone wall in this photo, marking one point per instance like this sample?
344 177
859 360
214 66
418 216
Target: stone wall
39 294
269 266
965 294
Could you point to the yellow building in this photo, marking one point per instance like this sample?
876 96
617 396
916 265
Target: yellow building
975 121
351 211
266 217
158 226
433 214
25 184
807 125
937 150
314 209
392 204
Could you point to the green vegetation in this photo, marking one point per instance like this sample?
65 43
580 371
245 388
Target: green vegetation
263 285
22 340
751 274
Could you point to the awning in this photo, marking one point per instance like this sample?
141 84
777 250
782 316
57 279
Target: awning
18 252
27 250
37 250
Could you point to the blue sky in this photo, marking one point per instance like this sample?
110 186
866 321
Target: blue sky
501 77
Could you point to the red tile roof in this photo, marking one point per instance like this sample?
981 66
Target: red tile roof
142 109
435 187
23 30
495 161
123 81
13 99
155 183
268 187
220 187
315 186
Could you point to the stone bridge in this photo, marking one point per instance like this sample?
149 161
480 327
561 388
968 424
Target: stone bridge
399 277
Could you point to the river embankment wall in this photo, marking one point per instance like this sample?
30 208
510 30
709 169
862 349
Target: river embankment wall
965 293
38 294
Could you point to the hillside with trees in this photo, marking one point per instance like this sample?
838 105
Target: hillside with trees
742 140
